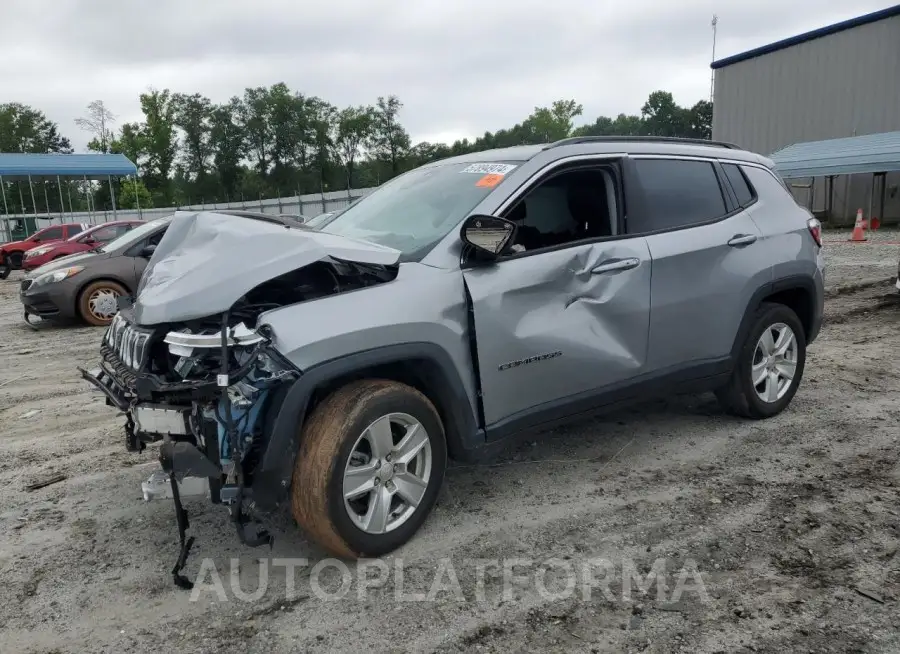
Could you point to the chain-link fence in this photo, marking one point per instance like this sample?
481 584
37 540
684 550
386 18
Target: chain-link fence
304 205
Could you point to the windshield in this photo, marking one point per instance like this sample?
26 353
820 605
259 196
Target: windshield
135 235
414 211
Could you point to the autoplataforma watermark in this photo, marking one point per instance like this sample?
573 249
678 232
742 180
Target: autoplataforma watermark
463 580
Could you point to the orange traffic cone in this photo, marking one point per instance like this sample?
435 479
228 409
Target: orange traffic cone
858 229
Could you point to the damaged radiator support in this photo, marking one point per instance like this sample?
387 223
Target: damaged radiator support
250 534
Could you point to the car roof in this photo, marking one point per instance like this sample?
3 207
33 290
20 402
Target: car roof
609 145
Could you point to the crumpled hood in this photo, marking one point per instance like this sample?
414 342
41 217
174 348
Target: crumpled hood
207 261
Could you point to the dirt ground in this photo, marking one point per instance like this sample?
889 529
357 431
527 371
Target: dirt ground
791 523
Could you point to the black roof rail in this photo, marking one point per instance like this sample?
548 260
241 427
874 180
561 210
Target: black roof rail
645 139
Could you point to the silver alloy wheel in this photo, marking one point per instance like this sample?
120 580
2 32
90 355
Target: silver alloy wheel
387 473
102 303
774 362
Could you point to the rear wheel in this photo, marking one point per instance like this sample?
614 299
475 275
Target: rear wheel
769 366
370 467
97 303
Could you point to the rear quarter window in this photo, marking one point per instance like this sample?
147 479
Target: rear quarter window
742 190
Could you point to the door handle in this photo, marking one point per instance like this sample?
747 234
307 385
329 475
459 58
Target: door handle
742 239
616 264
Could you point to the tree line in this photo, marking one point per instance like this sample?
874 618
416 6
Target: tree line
273 141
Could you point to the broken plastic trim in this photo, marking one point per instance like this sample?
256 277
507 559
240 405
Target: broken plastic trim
181 516
240 335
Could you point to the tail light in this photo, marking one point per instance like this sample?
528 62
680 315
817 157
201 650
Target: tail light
815 228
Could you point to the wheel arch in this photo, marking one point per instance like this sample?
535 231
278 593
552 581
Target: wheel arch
797 293
424 366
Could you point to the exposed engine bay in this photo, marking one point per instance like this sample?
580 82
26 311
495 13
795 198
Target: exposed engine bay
209 388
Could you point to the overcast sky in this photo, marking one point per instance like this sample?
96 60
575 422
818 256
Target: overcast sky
459 66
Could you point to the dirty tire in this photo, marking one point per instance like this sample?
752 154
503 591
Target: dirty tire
90 315
739 396
327 440
15 260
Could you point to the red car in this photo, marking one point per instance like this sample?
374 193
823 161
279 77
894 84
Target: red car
89 239
13 254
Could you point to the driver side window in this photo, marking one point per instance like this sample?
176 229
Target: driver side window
568 207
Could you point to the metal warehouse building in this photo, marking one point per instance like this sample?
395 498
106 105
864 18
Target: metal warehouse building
838 81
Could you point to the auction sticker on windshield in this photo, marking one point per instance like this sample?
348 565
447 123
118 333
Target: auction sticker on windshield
490 180
488 168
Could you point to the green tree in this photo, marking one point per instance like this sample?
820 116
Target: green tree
25 129
663 117
548 124
256 125
389 140
133 195
226 142
131 142
159 136
353 127
322 117
192 115
700 120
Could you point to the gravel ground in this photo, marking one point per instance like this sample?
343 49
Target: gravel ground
785 532
850 262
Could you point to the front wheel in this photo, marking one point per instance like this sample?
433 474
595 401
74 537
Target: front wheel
98 302
769 366
370 466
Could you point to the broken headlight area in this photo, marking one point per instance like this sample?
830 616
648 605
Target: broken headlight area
209 389
204 390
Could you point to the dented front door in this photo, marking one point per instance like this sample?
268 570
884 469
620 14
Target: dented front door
556 325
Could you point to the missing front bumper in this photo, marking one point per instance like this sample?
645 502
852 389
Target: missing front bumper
104 382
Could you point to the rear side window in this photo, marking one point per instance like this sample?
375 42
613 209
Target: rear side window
679 193
739 184
74 229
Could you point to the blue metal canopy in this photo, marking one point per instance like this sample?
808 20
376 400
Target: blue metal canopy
874 153
18 166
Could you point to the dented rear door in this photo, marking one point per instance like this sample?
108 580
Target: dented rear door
559 325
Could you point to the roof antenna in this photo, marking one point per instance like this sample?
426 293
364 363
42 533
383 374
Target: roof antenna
712 74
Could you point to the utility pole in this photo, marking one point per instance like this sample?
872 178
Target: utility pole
712 73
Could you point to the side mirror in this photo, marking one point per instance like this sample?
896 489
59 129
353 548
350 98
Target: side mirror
488 235
148 250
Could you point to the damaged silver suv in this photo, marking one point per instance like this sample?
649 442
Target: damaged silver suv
333 370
